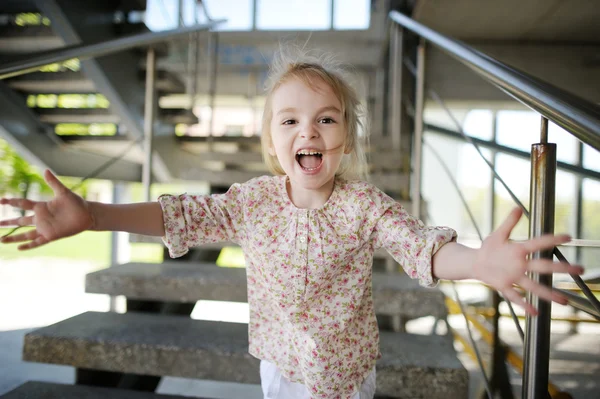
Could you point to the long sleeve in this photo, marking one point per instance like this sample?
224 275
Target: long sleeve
192 220
410 242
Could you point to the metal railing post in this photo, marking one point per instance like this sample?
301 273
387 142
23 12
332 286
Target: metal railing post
396 56
418 140
542 204
149 120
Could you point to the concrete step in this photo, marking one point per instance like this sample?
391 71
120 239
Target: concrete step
76 115
16 39
104 115
412 366
188 282
53 83
45 390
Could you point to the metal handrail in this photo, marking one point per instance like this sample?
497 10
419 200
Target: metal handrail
85 51
578 116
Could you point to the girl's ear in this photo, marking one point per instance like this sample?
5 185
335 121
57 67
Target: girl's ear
272 150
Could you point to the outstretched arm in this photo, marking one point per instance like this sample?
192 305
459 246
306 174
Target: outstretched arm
502 264
68 214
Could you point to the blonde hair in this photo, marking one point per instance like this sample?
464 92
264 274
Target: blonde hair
306 68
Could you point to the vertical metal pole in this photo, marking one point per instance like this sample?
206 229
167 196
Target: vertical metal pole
254 13
212 83
332 8
114 243
180 6
378 114
573 326
542 203
149 117
579 204
395 65
418 139
193 50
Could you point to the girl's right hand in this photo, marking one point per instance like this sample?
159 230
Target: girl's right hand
65 215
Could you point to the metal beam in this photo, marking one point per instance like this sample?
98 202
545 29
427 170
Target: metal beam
512 151
32 140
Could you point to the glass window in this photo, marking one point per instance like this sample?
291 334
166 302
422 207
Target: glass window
566 144
518 129
591 158
515 172
521 129
591 223
351 14
237 12
293 14
161 14
479 123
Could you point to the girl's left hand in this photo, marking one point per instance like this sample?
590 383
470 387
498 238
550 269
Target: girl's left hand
502 263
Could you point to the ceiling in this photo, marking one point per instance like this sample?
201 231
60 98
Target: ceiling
513 20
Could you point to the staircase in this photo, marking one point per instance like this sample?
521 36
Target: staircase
123 355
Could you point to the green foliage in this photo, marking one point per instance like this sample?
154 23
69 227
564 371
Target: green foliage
31 19
17 176
77 101
92 129
69 65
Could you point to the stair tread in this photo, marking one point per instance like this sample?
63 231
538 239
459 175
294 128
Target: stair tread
177 346
37 389
394 293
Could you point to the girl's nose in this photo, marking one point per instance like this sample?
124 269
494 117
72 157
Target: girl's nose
308 131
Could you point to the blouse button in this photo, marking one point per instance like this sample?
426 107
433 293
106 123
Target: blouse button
302 239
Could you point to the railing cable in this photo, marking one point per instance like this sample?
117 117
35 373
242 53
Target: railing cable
578 280
473 221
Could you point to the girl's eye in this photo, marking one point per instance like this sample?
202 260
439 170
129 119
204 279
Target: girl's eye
289 122
326 120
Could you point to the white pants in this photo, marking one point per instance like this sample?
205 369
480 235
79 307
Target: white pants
276 386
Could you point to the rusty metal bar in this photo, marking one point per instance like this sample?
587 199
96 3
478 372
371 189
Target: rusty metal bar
537 328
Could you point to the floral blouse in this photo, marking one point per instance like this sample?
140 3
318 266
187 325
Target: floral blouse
309 270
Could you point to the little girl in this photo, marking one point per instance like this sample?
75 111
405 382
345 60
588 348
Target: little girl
308 234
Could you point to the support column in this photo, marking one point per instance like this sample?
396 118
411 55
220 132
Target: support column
149 120
542 206
418 139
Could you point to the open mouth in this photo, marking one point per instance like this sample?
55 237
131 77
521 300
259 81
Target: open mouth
309 160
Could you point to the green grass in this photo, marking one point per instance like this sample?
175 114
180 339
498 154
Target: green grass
89 246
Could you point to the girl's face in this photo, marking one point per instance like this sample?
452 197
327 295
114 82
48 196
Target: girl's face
307 133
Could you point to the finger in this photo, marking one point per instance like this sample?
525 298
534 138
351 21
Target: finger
20 203
21 221
54 183
28 236
509 223
38 242
512 295
541 290
10 222
547 266
547 241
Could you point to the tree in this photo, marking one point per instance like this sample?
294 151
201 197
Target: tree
17 176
